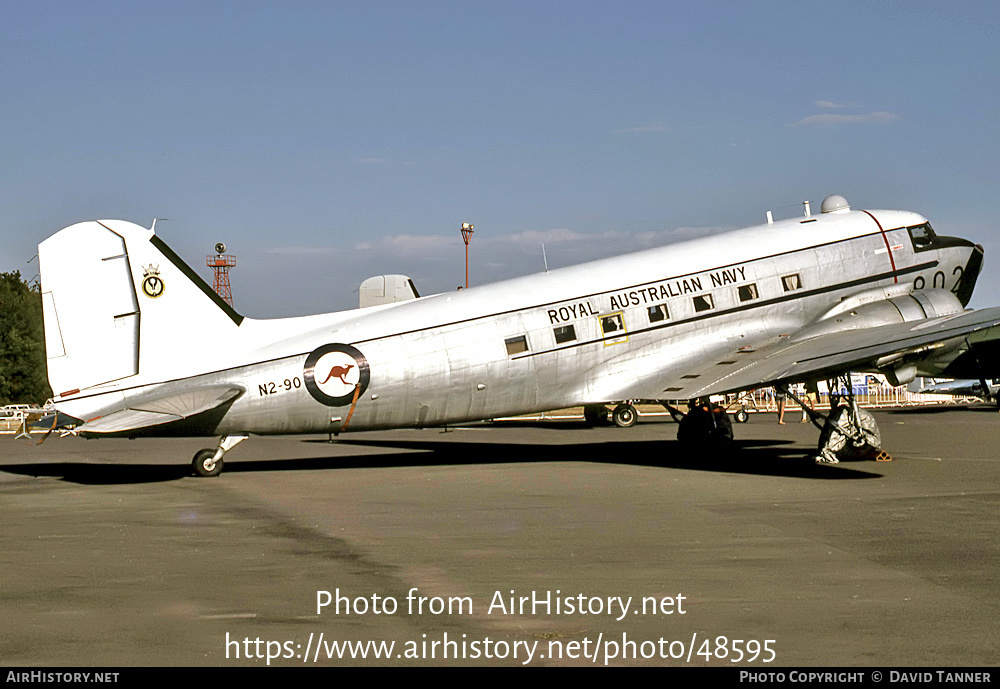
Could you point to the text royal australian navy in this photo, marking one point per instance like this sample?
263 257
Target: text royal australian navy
650 295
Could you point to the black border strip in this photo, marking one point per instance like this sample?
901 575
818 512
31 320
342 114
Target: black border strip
642 284
746 307
196 279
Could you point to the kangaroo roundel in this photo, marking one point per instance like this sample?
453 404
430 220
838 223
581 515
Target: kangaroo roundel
333 372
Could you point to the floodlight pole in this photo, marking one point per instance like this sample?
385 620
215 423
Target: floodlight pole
220 265
466 236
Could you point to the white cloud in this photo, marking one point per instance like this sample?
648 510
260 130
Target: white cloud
423 246
652 127
301 250
375 160
830 105
830 119
411 245
303 279
646 240
554 236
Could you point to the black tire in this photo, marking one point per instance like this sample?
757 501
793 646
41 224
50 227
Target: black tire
203 465
595 414
624 416
742 416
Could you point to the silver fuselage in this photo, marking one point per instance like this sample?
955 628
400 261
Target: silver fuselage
630 327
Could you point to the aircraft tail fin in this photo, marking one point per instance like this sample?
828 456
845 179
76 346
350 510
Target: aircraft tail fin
386 289
120 307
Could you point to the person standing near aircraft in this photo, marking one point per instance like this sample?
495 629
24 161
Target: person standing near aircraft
804 397
811 398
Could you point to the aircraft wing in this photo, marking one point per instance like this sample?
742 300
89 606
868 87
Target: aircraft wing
792 359
162 408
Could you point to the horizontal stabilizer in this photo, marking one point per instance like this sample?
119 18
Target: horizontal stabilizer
157 410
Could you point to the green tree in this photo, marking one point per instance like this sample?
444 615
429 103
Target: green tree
22 342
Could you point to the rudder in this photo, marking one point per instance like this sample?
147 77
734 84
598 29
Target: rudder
119 306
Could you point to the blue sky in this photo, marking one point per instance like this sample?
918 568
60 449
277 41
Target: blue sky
328 141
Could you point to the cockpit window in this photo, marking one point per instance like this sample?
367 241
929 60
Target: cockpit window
922 236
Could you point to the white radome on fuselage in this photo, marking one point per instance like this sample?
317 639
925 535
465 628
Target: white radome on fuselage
445 358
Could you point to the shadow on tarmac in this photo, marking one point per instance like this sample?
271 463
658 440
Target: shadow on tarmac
755 457
101 474
750 457
923 411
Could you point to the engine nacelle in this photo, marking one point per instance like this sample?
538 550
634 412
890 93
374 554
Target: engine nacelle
912 306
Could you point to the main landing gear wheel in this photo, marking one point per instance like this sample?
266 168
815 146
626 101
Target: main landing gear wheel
624 416
849 431
205 463
705 428
742 416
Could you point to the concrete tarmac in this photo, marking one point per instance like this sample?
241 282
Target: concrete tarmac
112 555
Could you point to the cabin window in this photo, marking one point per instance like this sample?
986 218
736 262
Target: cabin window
748 292
613 329
516 345
703 302
791 282
658 313
922 236
564 333
612 324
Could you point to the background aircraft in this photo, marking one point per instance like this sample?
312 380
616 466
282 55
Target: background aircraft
138 344
961 388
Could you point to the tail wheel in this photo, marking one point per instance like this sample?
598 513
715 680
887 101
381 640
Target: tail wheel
624 416
205 465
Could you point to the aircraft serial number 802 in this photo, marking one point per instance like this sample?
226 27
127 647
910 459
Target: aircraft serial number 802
797 300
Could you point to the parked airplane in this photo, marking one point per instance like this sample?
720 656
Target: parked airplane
986 390
138 344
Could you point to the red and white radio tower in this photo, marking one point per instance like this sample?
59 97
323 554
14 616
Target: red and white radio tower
220 264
